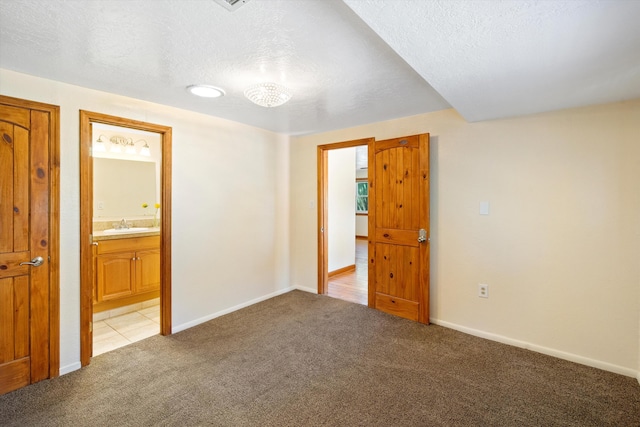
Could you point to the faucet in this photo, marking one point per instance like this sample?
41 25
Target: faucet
123 225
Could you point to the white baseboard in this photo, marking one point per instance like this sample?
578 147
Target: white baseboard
306 289
195 322
540 349
70 368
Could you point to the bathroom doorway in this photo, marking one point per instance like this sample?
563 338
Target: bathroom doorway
125 231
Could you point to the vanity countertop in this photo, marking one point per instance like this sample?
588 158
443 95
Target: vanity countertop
101 235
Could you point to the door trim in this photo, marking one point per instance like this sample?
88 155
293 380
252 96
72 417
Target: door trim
86 223
323 189
54 224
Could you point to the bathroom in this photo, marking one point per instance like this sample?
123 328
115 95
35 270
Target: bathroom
126 236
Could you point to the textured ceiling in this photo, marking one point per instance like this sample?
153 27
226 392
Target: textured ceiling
347 63
492 59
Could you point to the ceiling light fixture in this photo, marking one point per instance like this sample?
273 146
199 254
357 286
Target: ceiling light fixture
268 94
206 91
231 4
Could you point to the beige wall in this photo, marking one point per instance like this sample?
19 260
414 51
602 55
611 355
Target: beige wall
560 247
559 250
230 205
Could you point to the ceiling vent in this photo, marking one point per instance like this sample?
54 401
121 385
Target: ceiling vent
231 4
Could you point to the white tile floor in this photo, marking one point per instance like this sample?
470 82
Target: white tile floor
115 332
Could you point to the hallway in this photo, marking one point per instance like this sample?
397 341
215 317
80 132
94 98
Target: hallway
352 286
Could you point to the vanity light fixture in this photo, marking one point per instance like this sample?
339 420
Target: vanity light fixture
268 94
145 150
99 145
206 91
117 142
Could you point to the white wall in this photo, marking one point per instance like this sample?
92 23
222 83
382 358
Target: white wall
362 225
230 205
362 221
341 208
560 247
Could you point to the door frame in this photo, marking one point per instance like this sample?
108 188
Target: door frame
86 223
323 214
54 225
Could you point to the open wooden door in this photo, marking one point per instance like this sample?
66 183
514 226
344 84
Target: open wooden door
399 226
28 260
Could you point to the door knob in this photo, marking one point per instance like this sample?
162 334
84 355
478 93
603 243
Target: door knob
36 262
422 235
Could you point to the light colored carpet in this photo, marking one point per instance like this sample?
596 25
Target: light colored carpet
307 360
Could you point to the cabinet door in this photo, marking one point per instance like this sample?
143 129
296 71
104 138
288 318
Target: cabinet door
115 275
147 270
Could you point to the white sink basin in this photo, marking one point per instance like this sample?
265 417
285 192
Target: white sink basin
127 230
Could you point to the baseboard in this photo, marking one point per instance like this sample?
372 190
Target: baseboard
605 366
347 269
306 289
196 322
70 368
362 237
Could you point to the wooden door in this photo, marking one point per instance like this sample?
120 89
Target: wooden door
398 210
26 312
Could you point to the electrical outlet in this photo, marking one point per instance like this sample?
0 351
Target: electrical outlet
483 290
100 205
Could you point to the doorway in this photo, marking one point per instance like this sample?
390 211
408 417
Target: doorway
116 272
347 279
398 224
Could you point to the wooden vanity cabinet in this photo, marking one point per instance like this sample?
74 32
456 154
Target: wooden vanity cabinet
127 268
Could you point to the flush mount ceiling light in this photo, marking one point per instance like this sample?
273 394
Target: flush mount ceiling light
206 91
268 94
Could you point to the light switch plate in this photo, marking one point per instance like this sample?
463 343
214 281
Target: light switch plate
484 208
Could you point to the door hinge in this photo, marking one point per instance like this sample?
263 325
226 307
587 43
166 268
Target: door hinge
90 326
91 239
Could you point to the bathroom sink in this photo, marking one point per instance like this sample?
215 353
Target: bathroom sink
127 230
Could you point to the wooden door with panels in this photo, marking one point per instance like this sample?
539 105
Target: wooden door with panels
29 313
399 226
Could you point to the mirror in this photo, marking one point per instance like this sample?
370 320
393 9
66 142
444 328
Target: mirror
126 173
120 187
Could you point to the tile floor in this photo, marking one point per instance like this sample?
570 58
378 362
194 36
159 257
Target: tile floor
112 330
